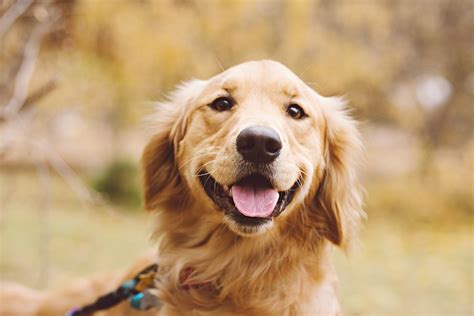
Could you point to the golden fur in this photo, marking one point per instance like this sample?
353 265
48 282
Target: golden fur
284 268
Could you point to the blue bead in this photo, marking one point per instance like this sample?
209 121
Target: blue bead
136 300
129 285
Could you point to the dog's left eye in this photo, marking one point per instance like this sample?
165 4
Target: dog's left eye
222 104
295 111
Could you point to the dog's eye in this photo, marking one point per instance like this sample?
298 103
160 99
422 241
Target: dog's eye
222 104
295 111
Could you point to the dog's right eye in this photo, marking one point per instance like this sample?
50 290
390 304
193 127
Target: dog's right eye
222 104
296 112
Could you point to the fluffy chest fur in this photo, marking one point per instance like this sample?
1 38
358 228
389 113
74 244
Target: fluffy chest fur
241 276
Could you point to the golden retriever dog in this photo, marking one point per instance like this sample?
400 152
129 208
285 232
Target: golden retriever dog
252 177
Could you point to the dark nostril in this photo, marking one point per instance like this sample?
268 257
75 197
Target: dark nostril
259 144
273 145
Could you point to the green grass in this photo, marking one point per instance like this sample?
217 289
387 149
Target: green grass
400 267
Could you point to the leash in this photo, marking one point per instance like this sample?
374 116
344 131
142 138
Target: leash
136 290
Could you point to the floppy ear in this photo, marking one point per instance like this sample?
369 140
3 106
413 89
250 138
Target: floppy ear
162 183
339 197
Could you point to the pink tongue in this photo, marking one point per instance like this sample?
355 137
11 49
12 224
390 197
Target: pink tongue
254 202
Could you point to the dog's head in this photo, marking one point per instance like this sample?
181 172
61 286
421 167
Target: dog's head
254 147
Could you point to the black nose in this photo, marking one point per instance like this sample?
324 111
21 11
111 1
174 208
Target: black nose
259 144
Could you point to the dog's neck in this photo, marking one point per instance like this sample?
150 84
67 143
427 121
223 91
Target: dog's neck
248 271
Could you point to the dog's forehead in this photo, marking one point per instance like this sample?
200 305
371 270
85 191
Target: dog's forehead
266 75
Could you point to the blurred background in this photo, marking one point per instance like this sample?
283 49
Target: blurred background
78 77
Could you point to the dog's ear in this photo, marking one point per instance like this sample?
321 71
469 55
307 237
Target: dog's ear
339 197
162 183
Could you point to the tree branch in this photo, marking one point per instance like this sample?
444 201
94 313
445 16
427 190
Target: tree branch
25 73
12 14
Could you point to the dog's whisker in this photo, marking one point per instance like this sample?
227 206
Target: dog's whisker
205 151
202 153
302 171
207 174
195 158
201 168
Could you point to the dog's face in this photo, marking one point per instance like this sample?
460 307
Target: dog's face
253 138
251 146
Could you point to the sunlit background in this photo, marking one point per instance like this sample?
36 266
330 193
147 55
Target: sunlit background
78 77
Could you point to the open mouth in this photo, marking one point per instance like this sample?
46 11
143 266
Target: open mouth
251 201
